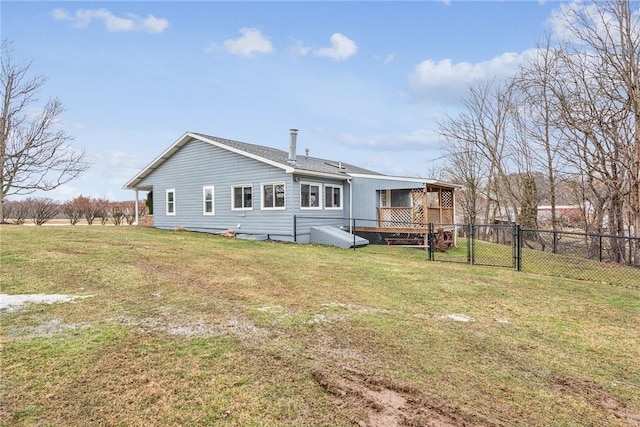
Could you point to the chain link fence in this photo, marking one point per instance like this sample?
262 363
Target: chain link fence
590 257
584 256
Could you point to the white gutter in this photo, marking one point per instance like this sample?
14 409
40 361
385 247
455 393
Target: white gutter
318 174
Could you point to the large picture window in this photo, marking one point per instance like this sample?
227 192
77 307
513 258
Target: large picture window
207 200
273 196
333 196
171 202
241 196
310 196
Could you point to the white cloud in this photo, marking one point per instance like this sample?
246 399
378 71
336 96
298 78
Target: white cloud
60 14
341 48
252 41
83 17
445 80
416 140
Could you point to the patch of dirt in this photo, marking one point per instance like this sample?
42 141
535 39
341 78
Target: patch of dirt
44 329
380 402
457 317
11 303
238 326
596 395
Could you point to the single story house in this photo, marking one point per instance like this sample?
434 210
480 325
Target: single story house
211 184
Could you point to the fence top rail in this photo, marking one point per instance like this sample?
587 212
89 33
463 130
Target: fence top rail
577 233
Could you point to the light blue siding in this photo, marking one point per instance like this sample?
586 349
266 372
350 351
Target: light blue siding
366 197
198 164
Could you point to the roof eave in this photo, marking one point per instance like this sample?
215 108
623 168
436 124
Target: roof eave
408 179
344 176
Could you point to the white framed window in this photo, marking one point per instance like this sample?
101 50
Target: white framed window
333 196
242 197
207 200
310 195
171 202
273 195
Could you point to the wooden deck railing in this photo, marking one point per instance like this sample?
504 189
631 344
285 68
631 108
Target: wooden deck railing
395 217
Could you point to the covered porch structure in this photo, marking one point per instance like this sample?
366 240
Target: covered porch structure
405 214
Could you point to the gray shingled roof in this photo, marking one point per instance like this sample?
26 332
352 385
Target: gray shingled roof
303 163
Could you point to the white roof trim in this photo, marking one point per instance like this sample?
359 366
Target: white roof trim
406 179
183 140
166 154
131 184
395 178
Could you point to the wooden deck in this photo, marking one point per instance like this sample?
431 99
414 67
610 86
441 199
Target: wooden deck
442 240
412 230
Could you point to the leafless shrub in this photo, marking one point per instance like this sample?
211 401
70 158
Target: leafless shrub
88 207
16 210
8 208
73 209
42 209
116 212
129 211
103 208
142 209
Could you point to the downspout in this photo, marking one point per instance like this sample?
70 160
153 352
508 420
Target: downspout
350 205
136 209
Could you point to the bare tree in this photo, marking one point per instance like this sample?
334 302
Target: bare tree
601 103
537 121
34 154
465 166
481 152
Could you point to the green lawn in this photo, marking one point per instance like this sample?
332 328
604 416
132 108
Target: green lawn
193 329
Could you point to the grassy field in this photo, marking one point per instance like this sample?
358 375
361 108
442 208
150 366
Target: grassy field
192 329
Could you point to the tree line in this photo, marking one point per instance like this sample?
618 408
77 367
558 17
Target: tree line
41 210
565 128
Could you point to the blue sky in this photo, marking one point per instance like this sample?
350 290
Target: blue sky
364 82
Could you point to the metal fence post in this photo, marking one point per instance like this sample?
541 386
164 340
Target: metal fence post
472 244
600 248
431 241
555 241
517 239
295 229
469 228
353 231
